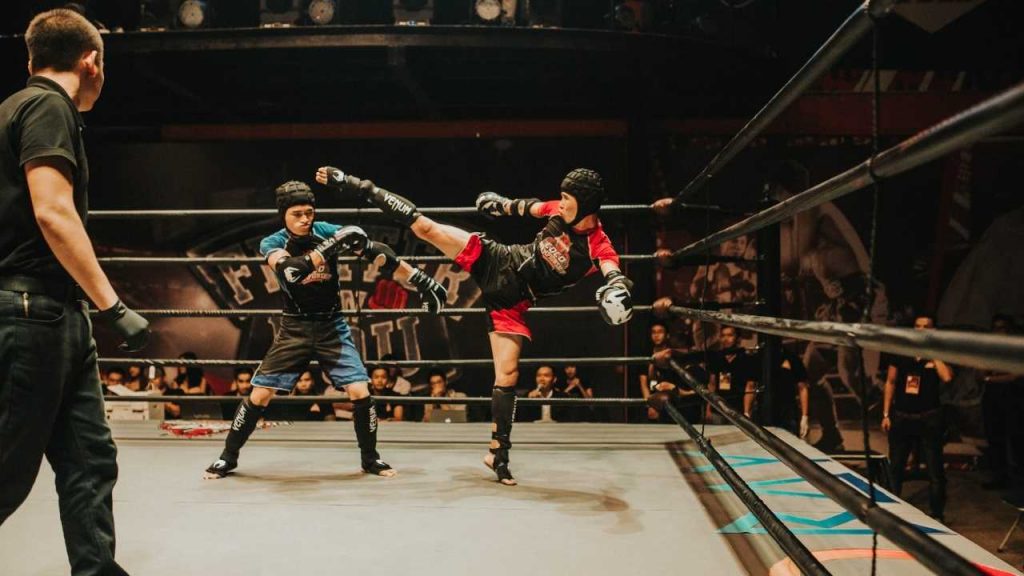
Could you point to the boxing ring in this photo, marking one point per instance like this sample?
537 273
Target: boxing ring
592 498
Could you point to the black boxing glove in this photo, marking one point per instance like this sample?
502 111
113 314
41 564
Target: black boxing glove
294 269
335 178
128 324
346 239
433 294
495 205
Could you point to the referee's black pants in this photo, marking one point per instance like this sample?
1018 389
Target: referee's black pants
51 404
926 428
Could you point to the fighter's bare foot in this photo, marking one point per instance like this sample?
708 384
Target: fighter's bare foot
500 469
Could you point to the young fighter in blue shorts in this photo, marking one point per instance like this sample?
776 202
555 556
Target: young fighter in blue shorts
302 256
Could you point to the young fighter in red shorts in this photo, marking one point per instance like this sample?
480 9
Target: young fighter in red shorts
571 246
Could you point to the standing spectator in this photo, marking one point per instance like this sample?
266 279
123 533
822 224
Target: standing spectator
546 381
190 379
439 389
115 377
912 412
399 385
790 392
577 387
380 385
999 414
732 375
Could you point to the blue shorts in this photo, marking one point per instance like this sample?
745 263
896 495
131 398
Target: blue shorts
301 340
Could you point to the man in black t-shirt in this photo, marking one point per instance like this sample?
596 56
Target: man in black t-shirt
732 374
51 400
790 392
912 412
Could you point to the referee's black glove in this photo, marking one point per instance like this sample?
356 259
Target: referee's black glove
128 324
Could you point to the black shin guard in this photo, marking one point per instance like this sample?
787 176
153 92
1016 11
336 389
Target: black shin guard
503 411
396 207
364 418
246 417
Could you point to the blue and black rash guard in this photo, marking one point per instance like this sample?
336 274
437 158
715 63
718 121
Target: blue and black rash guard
318 292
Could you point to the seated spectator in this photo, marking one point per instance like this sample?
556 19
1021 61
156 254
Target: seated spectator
381 385
190 379
135 380
399 385
158 385
439 389
241 385
307 385
576 387
663 383
546 380
115 377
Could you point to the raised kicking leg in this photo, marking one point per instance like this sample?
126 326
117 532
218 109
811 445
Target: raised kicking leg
450 240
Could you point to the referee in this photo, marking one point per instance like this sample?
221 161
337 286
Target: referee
50 396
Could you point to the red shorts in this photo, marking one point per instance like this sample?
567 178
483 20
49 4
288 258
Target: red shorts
510 320
503 318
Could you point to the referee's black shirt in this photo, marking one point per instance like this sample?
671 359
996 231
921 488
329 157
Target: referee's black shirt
36 122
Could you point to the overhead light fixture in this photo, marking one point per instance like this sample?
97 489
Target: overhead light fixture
413 12
322 12
495 11
488 11
194 14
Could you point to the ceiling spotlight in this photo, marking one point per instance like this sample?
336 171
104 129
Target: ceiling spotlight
488 11
193 14
322 12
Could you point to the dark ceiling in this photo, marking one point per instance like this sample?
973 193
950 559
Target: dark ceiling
439 72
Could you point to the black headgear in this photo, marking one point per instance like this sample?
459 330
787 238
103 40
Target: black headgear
587 188
293 193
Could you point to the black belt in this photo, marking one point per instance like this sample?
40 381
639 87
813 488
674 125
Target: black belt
56 289
917 415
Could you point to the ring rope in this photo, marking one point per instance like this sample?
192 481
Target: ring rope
991 116
240 313
626 209
414 400
592 361
775 527
987 351
855 27
928 551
